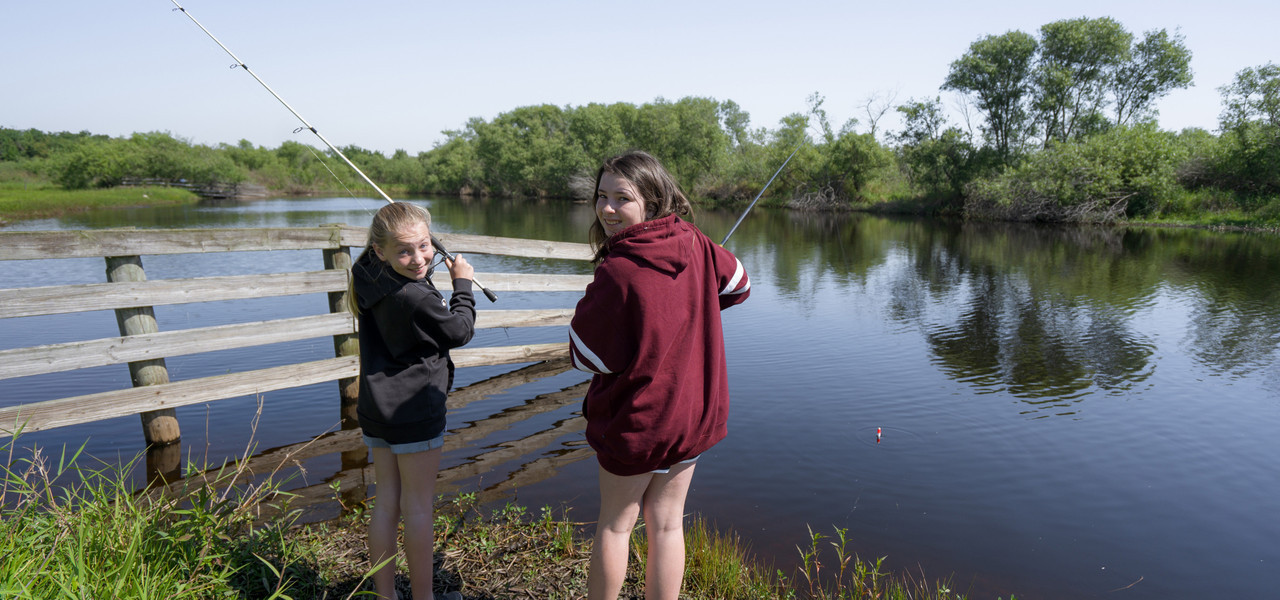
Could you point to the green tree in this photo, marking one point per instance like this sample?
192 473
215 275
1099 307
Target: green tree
834 168
93 163
1250 123
685 135
997 72
527 151
98 162
922 121
1157 65
1125 171
1078 59
452 166
597 130
737 123
1254 96
937 159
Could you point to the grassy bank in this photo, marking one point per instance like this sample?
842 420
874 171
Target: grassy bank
233 534
1205 215
22 200
35 199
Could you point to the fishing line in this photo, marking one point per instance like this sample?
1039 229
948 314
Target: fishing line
335 175
239 63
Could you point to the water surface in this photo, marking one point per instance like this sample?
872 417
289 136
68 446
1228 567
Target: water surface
1063 411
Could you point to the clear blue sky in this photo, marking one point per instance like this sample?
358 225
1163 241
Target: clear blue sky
387 74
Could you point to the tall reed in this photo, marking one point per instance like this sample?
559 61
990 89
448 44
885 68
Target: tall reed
74 531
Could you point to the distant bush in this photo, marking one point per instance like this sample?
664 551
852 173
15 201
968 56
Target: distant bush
97 162
1123 172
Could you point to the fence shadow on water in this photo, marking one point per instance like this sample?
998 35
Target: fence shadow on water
544 452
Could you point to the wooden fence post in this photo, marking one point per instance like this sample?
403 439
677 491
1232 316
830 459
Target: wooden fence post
349 387
159 427
345 344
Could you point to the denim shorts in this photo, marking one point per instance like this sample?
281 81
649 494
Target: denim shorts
668 469
410 448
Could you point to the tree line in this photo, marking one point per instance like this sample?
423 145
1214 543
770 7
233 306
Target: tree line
1058 126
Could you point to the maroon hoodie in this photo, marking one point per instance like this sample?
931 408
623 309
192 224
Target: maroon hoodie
649 329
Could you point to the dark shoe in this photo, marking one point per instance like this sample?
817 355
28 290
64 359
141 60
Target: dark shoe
448 596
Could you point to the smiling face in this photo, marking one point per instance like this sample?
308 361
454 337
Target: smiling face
618 205
410 253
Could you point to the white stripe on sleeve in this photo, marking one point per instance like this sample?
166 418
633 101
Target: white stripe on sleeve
596 365
738 273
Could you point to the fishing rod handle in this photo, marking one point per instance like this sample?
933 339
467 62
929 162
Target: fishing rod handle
487 292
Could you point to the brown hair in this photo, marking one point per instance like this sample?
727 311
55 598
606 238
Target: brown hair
389 221
658 189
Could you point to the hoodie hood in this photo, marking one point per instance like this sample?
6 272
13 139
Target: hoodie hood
664 244
374 280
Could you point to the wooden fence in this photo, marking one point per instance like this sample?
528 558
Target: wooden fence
143 348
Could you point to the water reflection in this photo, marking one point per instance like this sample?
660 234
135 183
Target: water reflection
1051 315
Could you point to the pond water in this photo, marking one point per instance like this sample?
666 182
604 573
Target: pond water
1041 411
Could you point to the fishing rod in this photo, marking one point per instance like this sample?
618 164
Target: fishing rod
766 186
239 63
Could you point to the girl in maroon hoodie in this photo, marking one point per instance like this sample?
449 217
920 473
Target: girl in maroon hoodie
648 329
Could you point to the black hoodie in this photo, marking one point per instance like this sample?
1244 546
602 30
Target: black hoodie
406 332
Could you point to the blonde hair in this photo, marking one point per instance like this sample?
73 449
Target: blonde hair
390 220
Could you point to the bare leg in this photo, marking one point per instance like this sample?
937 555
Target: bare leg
619 507
384 522
417 497
664 524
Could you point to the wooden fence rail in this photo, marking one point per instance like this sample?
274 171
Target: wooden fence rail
144 348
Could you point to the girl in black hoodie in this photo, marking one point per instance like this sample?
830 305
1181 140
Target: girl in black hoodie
406 331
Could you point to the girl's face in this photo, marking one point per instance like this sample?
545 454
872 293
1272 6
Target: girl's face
618 205
411 252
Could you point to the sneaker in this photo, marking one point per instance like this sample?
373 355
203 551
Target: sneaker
448 595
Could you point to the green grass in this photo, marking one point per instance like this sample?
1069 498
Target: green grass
74 531
35 200
210 537
505 553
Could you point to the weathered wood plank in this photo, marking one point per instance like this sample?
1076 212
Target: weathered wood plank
522 282
547 317
483 244
52 358
59 299
356 237
38 416
49 414
52 300
35 245
353 237
505 355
